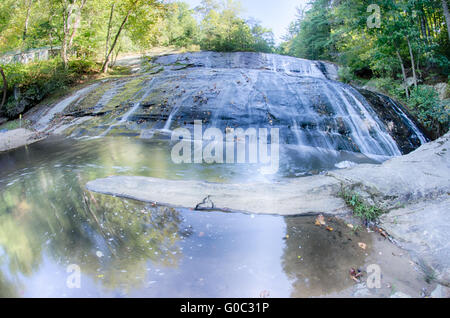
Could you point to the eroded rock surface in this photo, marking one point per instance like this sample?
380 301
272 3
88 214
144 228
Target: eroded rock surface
415 188
309 195
321 122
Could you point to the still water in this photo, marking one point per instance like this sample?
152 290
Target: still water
124 248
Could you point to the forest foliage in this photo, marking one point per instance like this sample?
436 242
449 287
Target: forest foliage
93 28
90 34
398 47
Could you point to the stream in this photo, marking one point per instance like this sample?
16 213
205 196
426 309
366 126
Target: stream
59 240
48 221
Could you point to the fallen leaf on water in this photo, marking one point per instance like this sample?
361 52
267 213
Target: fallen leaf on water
383 233
355 279
329 228
355 274
362 245
320 220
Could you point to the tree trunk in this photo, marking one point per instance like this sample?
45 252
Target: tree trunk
66 15
108 56
68 34
412 63
27 19
108 35
403 73
427 25
446 15
64 51
5 87
76 25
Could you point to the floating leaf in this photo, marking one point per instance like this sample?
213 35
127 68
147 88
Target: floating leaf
355 274
362 245
320 220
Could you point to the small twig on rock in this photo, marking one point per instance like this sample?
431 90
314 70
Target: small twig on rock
206 204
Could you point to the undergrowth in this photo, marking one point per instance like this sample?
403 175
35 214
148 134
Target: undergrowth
360 208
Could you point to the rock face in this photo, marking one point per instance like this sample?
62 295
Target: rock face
321 122
418 176
415 188
442 90
406 131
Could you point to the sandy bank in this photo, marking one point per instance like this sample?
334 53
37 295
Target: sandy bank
16 138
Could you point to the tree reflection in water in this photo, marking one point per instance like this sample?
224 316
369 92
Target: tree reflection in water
49 213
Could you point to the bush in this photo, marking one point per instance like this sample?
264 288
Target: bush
346 74
389 86
29 84
429 110
361 209
77 67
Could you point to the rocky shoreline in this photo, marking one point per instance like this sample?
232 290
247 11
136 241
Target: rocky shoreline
414 189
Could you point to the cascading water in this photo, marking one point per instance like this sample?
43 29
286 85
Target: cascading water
45 120
322 122
401 113
132 110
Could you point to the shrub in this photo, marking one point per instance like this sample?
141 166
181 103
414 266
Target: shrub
361 209
82 67
429 110
346 74
389 86
29 84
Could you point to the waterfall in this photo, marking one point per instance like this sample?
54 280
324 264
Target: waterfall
398 110
322 122
132 110
45 120
169 119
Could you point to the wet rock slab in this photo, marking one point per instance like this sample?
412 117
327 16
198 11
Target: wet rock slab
418 176
415 188
309 195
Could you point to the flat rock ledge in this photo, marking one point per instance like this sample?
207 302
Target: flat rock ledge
414 189
310 195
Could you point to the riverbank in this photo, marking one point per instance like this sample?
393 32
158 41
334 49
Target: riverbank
12 139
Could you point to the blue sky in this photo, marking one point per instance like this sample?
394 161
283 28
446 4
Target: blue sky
274 14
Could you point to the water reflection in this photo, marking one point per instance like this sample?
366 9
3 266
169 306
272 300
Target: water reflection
126 248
